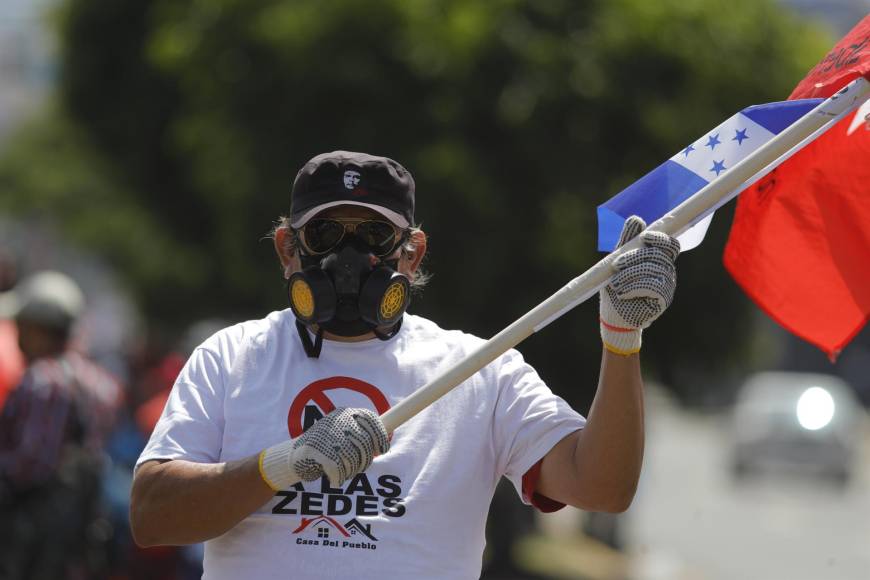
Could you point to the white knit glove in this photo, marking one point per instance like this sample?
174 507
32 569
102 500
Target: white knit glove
641 290
340 445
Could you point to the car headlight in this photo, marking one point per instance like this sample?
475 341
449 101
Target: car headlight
815 408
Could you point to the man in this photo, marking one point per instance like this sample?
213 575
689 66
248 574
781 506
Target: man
296 396
53 429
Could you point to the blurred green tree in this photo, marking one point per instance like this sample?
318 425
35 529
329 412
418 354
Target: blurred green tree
180 124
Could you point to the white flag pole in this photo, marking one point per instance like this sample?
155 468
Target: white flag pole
722 189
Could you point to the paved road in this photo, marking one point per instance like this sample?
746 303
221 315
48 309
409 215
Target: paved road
690 521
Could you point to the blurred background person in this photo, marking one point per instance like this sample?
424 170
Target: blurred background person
11 359
53 429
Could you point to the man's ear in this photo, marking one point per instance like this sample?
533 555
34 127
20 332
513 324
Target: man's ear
285 248
411 259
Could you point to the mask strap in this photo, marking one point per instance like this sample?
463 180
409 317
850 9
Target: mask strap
311 349
390 333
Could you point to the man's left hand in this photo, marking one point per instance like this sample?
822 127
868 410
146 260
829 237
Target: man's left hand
642 288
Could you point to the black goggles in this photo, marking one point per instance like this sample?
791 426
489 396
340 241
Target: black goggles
320 235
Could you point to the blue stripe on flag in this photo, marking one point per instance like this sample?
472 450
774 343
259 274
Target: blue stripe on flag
674 183
777 116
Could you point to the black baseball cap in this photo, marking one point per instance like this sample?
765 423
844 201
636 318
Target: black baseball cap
349 178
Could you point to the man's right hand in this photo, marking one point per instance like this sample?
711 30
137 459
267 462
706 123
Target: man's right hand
340 445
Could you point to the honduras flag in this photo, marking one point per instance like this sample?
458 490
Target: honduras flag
675 180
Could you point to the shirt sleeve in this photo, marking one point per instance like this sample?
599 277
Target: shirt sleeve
529 420
192 423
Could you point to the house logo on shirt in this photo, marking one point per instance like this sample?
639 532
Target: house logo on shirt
336 517
333 534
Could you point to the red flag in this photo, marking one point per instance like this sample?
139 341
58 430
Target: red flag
800 242
848 60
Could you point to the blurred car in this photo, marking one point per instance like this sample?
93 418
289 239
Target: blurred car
800 422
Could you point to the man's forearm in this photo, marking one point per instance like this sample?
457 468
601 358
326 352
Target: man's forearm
180 502
610 450
597 468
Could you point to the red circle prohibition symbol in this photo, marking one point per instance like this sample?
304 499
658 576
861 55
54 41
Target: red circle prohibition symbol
316 393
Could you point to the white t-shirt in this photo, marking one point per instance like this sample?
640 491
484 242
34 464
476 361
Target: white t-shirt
420 510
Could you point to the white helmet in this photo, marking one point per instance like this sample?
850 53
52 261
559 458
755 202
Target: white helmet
48 297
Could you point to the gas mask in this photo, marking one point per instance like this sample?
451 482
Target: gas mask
348 292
